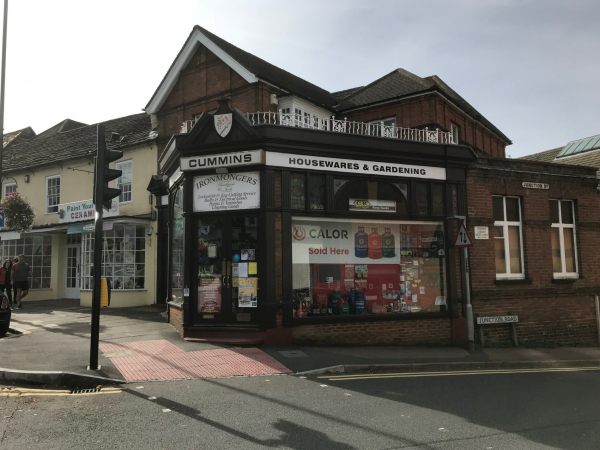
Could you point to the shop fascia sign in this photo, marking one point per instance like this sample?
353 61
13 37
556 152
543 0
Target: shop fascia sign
354 166
220 160
306 162
83 210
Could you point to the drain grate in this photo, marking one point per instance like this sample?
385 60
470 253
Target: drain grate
86 391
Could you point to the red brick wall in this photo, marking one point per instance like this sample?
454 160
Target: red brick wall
550 311
201 84
435 112
176 318
401 332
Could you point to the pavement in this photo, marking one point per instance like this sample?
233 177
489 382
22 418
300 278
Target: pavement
49 344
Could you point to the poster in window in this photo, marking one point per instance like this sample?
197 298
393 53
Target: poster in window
248 293
209 294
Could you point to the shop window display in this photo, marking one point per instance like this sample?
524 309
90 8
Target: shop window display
356 267
123 257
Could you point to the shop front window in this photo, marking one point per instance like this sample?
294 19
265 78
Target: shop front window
38 254
358 267
123 257
177 246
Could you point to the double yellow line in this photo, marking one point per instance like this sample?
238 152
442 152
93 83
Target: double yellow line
26 392
454 373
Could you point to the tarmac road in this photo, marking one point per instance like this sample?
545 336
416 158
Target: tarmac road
468 411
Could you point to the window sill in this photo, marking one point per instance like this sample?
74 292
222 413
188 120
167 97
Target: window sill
511 281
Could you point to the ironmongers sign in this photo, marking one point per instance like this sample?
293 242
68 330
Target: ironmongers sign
227 191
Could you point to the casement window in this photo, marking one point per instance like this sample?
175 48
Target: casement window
454 131
564 248
52 194
125 180
508 237
9 188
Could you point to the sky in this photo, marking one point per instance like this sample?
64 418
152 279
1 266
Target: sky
530 67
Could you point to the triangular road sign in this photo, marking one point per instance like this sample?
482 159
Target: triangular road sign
462 238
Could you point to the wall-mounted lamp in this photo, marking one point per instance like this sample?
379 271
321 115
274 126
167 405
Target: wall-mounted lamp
26 178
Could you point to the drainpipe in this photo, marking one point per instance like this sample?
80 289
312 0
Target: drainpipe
597 302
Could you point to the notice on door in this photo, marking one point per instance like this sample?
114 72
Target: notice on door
248 292
227 191
209 294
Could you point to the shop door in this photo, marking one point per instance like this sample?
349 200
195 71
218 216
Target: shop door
227 269
72 260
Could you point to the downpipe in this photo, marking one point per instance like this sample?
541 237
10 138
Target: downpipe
597 303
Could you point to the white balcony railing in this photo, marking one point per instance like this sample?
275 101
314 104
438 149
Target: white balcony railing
373 129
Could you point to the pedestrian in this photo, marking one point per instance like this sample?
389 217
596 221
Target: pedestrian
21 272
6 280
14 262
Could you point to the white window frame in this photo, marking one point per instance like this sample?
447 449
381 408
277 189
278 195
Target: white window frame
561 237
48 206
506 224
120 184
454 131
383 127
5 187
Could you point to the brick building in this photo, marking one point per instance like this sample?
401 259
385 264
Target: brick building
292 213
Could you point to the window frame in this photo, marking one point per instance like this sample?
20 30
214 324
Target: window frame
455 132
7 184
561 241
119 166
48 206
506 224
385 127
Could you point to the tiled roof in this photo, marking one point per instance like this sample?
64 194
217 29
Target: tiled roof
77 143
588 158
545 156
13 137
401 83
61 127
395 84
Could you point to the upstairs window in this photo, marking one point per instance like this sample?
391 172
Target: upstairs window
454 132
564 251
52 194
125 180
383 128
508 237
9 188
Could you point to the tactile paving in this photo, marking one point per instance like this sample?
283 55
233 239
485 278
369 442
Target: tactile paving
161 360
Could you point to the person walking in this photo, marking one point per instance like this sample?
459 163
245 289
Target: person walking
21 272
6 280
13 263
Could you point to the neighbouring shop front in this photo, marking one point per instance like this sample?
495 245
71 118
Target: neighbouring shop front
320 243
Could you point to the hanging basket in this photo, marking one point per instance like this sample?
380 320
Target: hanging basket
18 215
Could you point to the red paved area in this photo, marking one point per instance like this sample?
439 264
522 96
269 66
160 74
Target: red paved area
161 360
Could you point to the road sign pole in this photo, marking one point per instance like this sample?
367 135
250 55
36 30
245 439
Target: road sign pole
468 306
464 241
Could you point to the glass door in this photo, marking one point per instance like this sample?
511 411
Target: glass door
227 269
72 264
